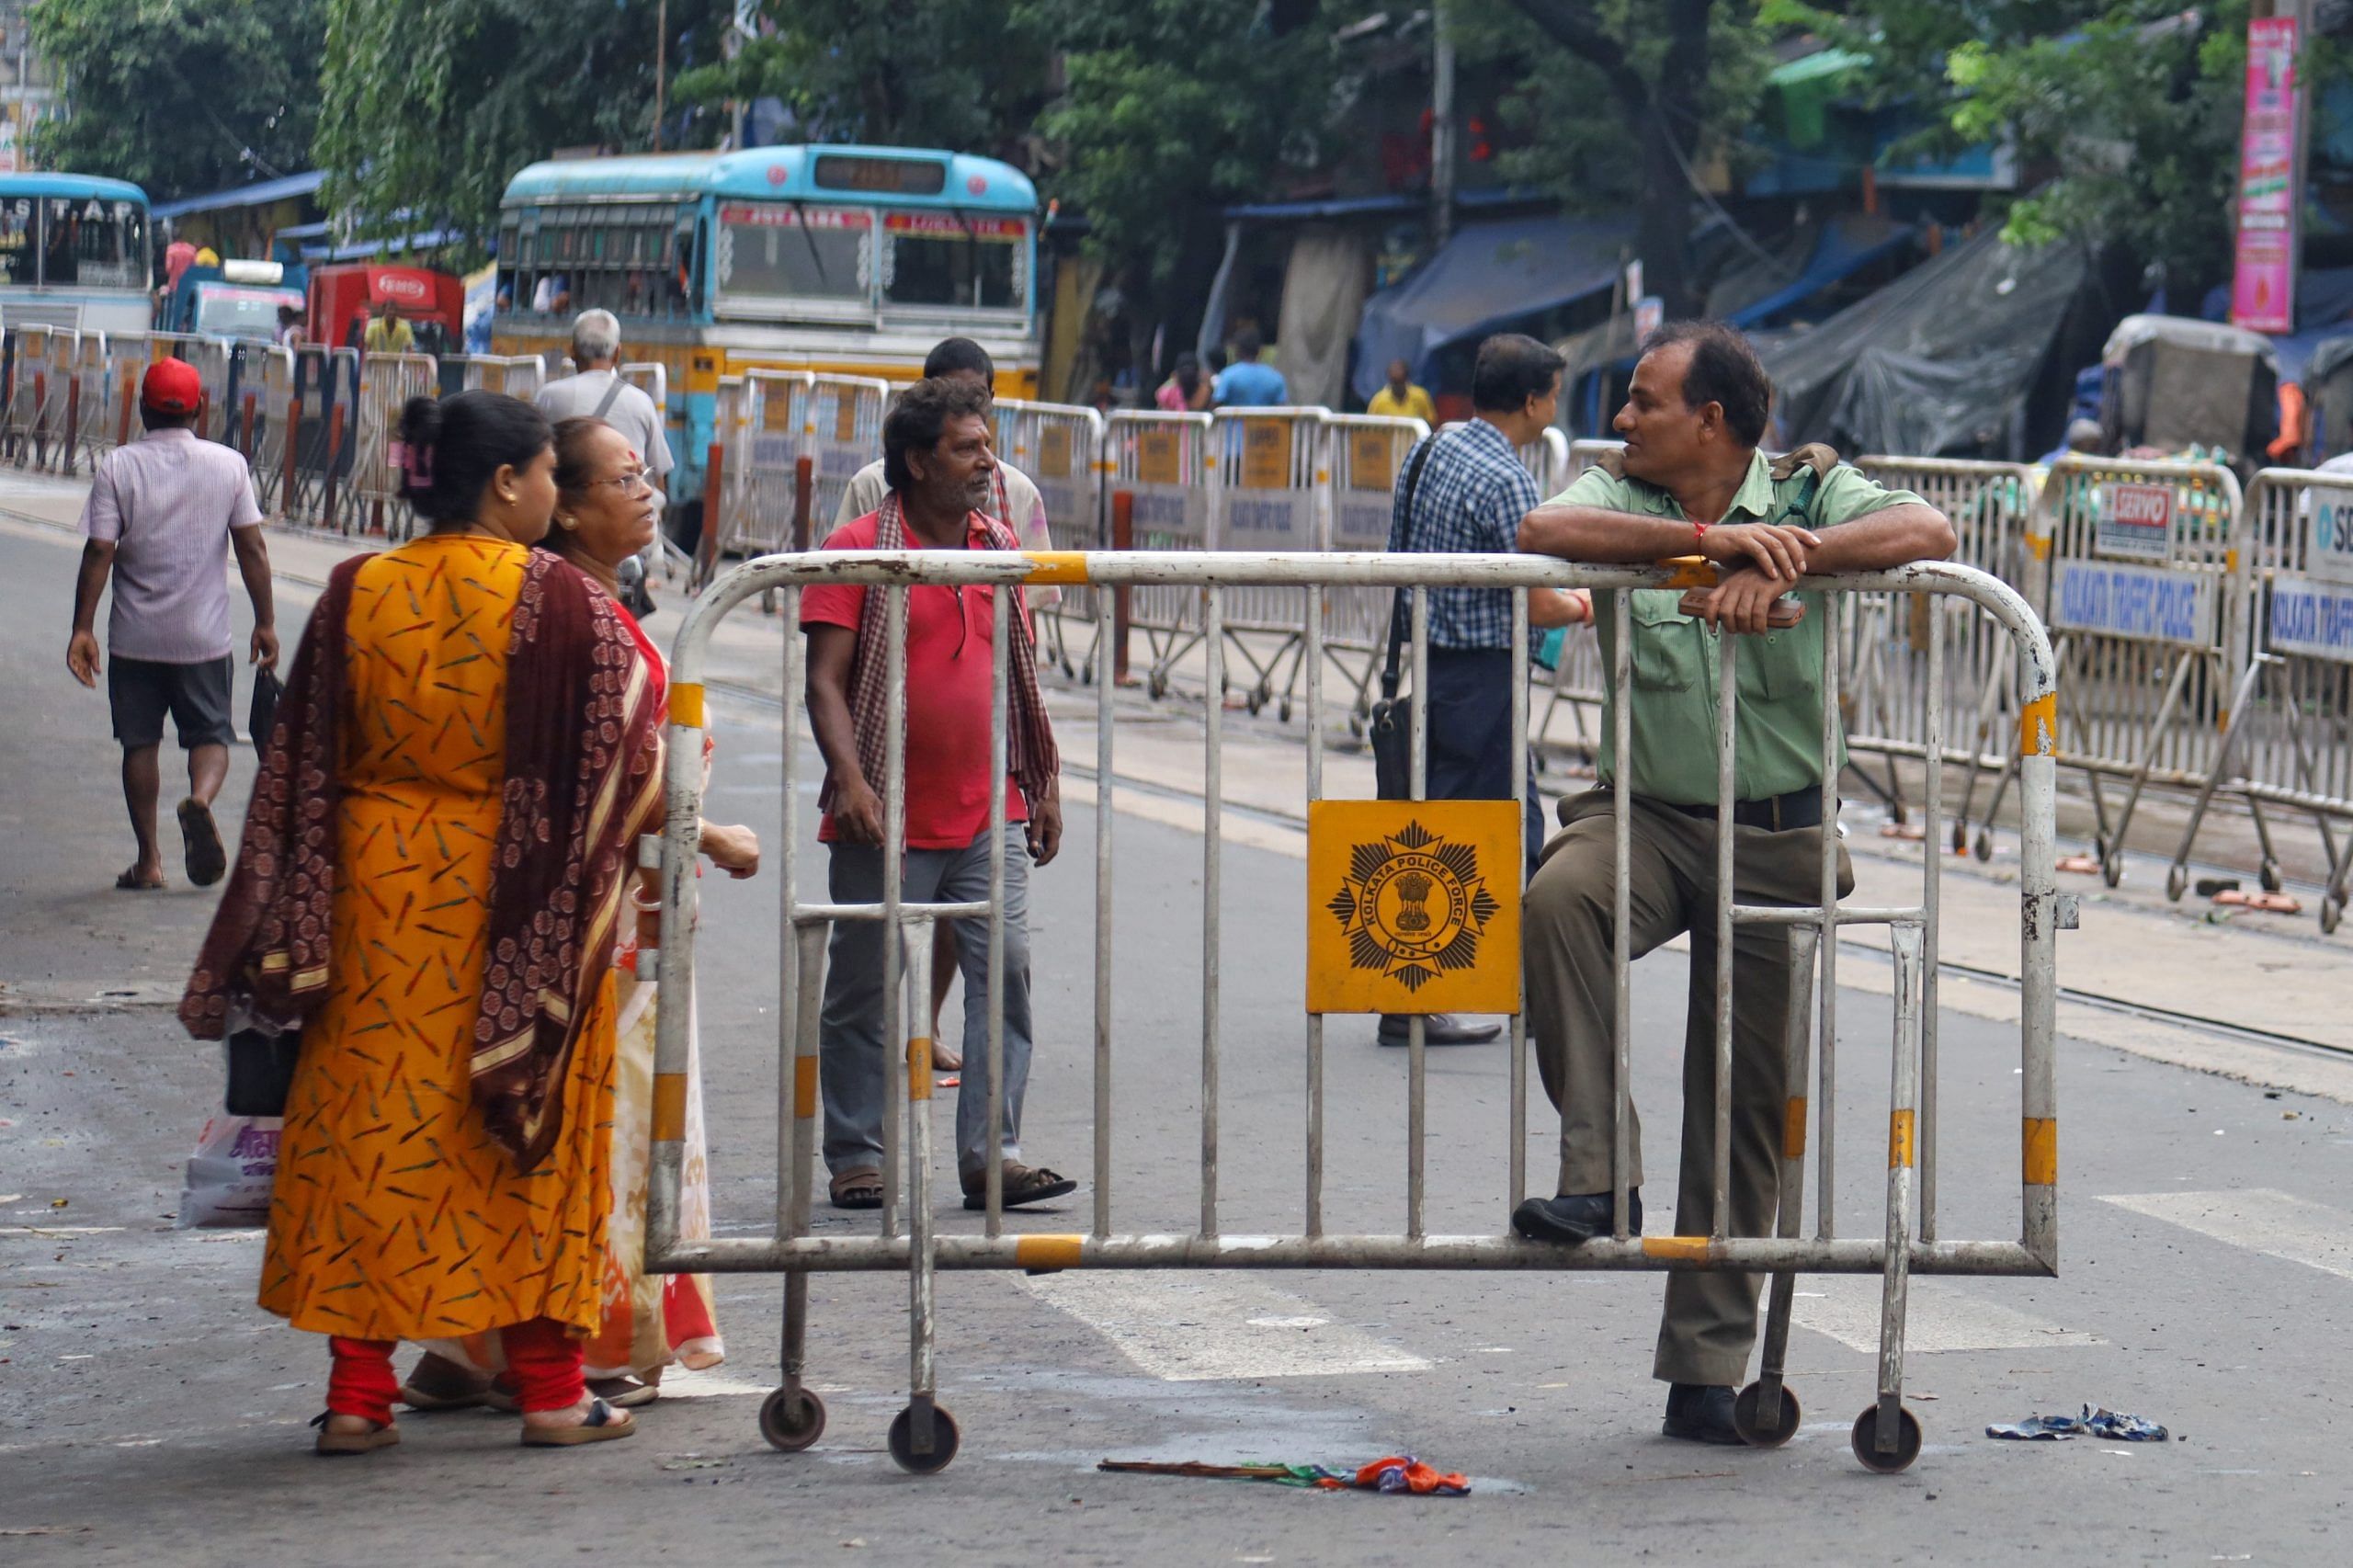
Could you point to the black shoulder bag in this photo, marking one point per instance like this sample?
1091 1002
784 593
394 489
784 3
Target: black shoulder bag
1393 716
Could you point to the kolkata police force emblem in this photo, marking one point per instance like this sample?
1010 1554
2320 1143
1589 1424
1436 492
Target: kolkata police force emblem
1412 906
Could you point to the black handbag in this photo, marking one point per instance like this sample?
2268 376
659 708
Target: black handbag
1391 729
262 716
261 1071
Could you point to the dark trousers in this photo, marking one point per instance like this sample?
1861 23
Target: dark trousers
1468 712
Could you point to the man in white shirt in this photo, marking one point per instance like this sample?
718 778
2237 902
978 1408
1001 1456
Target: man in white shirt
164 514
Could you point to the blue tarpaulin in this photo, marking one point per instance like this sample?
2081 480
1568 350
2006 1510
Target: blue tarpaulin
1845 245
1488 277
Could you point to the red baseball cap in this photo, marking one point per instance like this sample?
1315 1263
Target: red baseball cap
171 386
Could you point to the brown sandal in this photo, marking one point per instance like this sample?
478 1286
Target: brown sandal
332 1442
861 1188
1023 1183
604 1425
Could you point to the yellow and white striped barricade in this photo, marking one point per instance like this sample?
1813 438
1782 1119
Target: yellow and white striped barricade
265 398
1060 446
41 367
764 460
1470 858
1158 478
1364 455
319 430
2290 741
93 434
651 378
842 434
1993 507
371 502
127 357
1266 494
2148 570
515 375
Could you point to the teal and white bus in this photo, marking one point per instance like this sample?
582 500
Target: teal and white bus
74 253
837 259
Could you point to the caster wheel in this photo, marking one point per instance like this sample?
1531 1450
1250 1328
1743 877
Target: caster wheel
1254 702
2100 848
2111 868
2177 882
1743 1419
1086 675
1157 685
1961 838
1356 726
1283 708
791 1422
944 1438
1985 844
2269 876
1866 1433
2332 911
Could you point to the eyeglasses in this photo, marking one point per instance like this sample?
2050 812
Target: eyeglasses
632 482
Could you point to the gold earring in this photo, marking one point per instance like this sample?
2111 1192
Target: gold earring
569 522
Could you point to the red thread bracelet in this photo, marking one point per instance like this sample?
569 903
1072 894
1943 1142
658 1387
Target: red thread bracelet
1699 537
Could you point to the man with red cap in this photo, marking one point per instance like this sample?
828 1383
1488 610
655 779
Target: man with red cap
164 514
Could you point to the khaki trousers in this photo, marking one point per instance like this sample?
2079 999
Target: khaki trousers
1709 1324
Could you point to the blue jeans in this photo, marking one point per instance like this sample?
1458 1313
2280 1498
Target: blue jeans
853 1055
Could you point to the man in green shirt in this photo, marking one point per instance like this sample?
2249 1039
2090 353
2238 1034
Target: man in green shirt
1692 481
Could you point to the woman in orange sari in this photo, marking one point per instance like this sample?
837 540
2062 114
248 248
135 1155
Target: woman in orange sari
431 880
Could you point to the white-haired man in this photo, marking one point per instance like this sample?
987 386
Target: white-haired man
597 389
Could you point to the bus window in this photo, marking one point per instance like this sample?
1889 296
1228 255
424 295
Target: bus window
93 243
951 258
16 251
776 248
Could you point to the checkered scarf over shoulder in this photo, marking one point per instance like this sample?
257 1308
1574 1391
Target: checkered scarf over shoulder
1031 755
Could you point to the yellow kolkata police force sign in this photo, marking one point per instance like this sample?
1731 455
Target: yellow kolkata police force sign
1412 906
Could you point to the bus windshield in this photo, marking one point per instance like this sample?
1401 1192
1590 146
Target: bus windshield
783 248
954 259
230 309
89 242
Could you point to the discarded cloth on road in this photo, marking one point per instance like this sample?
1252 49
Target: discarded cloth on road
2109 1424
1397 1472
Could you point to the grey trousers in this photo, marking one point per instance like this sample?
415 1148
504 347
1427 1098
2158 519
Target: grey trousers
852 1054
1710 1324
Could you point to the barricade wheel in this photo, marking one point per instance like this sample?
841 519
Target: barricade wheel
1744 1419
1961 838
944 1438
1355 725
2111 866
1157 685
791 1420
1985 844
1283 708
1256 700
2269 875
2332 910
1866 1434
2177 882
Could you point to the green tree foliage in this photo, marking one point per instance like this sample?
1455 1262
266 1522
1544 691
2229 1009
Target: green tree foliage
181 96
430 106
964 74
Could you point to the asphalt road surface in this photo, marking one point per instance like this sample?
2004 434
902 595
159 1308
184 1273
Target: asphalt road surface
150 1413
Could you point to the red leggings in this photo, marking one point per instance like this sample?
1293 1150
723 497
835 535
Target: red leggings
542 1354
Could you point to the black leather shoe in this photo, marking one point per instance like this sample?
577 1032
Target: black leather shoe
1438 1028
1576 1218
1701 1413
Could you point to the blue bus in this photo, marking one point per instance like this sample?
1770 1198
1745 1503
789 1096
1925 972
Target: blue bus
74 253
838 259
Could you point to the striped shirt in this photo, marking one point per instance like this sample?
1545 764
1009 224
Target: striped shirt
1469 498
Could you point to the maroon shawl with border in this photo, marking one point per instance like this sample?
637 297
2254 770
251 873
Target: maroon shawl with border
583 777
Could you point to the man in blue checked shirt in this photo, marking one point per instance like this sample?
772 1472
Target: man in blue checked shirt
1464 491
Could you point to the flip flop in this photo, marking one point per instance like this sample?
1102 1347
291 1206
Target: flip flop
332 1443
207 860
129 882
604 1425
857 1190
624 1393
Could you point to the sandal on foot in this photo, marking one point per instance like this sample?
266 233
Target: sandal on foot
624 1393
1023 1183
206 858
604 1425
131 882
858 1190
332 1442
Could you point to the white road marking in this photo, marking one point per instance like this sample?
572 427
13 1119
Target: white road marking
1195 1329
1938 1317
2273 1223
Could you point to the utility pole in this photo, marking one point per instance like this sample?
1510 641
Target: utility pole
1441 128
661 64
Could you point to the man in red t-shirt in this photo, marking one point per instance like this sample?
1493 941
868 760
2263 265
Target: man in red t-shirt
939 468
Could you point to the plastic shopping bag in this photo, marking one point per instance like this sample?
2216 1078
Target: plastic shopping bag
230 1174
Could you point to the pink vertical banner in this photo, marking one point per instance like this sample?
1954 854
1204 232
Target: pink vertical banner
2263 280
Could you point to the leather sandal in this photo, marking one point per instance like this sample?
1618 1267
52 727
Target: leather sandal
861 1188
1023 1183
332 1442
604 1426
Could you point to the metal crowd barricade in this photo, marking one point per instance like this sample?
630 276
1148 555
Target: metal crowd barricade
1157 470
318 457
1588 451
268 376
2148 607
1363 456
41 389
1993 507
1266 494
910 1239
90 434
842 434
2290 741
214 359
516 375
372 503
127 357
1547 458
1060 446
773 486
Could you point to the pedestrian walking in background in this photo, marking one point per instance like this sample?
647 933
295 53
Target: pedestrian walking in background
1690 480
164 513
386 333
606 510
1246 383
1015 501
936 453
1186 390
435 867
1399 398
1465 490
596 392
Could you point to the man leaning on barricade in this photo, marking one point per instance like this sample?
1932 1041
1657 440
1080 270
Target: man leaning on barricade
1691 482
